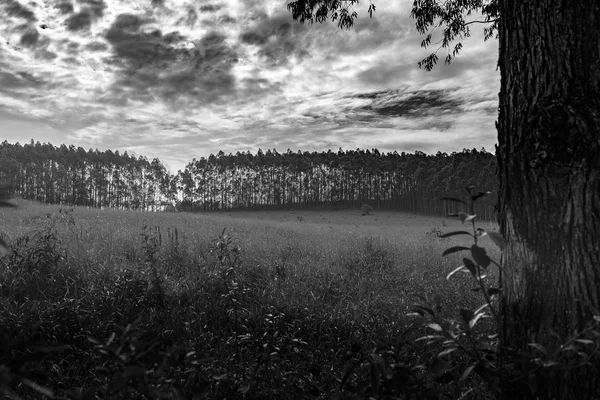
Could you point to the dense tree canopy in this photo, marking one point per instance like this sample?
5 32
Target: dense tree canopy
342 179
74 176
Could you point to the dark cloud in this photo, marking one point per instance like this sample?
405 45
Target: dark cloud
151 66
81 20
226 19
71 60
96 46
173 38
30 37
393 103
210 8
44 54
190 19
276 39
259 87
9 80
73 48
21 79
90 11
65 7
253 38
16 9
96 7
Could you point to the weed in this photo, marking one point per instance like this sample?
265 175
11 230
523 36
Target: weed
185 309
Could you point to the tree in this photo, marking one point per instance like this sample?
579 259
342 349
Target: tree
548 167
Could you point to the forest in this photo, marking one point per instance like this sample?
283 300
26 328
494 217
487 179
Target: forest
344 179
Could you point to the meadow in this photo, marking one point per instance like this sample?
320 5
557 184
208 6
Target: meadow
264 304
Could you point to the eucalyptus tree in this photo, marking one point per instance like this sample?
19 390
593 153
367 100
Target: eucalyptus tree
548 157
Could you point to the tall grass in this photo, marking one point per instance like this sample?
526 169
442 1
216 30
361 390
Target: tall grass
167 305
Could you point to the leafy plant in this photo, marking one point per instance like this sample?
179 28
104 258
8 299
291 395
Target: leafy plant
468 333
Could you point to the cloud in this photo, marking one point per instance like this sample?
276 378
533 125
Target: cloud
412 104
65 7
30 37
96 7
90 10
15 9
81 20
277 40
178 79
210 8
19 79
152 65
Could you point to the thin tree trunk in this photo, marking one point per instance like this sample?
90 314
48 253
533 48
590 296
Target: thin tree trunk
549 164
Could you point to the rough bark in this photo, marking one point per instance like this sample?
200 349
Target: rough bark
549 202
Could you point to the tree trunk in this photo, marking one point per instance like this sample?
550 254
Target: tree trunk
549 202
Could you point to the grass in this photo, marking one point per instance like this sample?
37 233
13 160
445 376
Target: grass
289 304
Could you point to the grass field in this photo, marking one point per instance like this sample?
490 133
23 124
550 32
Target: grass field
265 304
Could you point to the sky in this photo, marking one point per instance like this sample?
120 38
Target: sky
178 80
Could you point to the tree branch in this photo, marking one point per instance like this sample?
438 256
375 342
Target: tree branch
491 21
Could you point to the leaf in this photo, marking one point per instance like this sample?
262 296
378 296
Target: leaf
454 250
377 369
470 266
452 199
550 364
480 256
430 337
497 239
38 388
585 341
476 318
244 388
456 233
467 372
446 352
435 327
419 309
481 308
414 314
465 217
538 347
220 377
461 268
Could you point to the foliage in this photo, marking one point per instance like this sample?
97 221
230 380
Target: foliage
366 209
505 370
451 16
265 180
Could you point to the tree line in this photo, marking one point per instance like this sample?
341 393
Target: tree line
247 181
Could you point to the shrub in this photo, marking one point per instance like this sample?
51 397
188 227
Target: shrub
366 209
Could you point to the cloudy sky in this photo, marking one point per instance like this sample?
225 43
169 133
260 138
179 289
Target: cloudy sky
180 79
